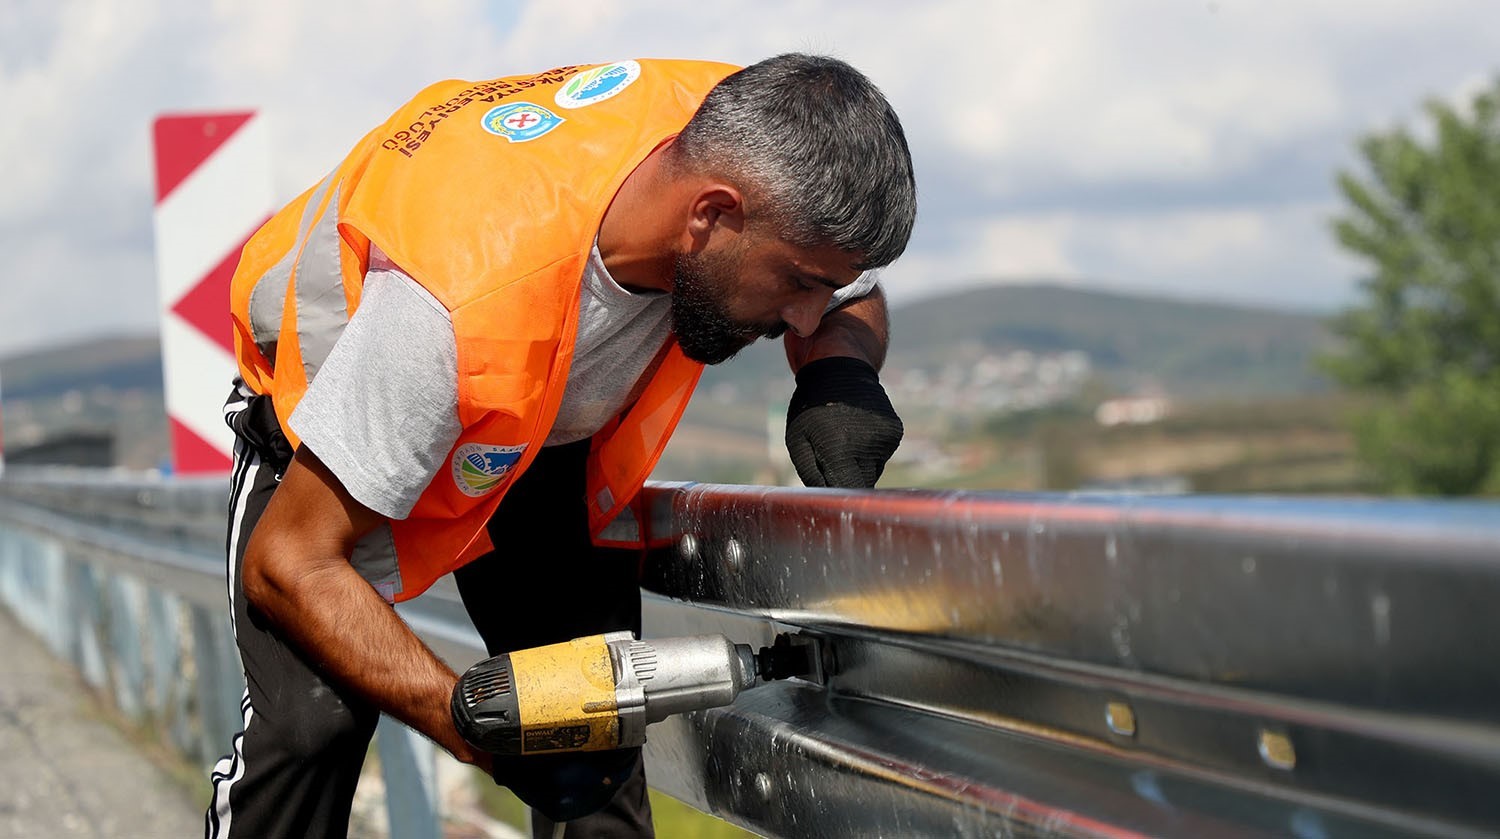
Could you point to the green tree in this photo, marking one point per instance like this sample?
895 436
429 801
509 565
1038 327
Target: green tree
1424 212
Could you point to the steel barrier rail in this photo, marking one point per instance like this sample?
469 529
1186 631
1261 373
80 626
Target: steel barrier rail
1000 664
1097 665
122 575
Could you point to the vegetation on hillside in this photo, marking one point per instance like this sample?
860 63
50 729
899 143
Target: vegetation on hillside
1286 444
730 432
1194 349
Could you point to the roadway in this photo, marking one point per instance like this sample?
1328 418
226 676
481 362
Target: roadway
67 770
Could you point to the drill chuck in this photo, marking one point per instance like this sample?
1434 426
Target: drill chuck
601 692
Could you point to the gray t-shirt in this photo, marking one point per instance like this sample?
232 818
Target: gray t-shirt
620 334
382 412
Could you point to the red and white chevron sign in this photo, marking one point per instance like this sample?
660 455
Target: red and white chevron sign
213 190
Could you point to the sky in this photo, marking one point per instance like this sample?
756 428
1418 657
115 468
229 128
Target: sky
1167 146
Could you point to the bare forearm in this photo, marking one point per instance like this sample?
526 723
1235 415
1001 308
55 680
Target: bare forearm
297 573
859 330
328 612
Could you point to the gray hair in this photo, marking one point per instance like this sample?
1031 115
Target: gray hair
819 142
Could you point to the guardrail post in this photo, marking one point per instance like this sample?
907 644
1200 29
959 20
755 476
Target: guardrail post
408 765
13 572
60 627
87 597
170 693
220 681
26 584
123 623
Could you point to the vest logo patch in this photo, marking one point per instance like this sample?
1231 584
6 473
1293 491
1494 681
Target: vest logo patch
520 121
588 87
478 468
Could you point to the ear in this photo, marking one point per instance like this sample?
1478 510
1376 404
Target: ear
715 205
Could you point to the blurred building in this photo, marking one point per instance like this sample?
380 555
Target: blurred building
1132 410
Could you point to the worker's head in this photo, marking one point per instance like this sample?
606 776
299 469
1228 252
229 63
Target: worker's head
805 180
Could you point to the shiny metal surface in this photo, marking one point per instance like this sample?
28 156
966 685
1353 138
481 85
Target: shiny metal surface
1011 665
1301 666
693 671
1375 603
788 762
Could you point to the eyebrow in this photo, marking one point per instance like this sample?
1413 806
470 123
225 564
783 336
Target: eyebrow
821 280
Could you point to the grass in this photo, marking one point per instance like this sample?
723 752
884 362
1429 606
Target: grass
672 817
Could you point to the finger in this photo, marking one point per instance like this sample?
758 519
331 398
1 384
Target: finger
805 459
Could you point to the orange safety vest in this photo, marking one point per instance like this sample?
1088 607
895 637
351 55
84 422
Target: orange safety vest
489 194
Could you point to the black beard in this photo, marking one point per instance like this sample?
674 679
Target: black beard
705 331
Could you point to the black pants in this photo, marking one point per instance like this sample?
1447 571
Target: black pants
293 768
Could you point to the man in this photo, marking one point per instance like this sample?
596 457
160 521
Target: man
464 350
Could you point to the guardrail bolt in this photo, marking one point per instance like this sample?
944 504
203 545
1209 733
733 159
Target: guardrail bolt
687 546
1276 749
1120 718
734 554
763 786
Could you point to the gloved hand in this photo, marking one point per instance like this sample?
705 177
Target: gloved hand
840 427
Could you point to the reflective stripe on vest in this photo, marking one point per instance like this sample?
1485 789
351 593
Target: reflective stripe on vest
322 311
375 559
268 297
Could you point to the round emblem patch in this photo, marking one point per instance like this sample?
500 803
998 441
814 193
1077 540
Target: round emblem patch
520 121
588 87
478 468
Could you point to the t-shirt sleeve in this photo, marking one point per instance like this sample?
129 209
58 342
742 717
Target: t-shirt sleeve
382 412
861 286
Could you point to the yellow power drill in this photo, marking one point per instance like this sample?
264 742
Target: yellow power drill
600 692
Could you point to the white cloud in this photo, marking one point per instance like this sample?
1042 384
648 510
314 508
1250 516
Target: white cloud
1260 254
1006 249
1152 143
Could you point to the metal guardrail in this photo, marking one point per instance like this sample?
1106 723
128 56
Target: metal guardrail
1017 665
1103 665
123 576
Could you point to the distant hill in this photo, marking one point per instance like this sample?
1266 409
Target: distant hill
124 363
1189 349
86 404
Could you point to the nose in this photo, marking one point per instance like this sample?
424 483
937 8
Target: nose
803 316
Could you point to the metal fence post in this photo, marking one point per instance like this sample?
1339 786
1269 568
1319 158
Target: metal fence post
12 574
220 681
171 691
123 622
24 582
87 598
408 765
59 627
